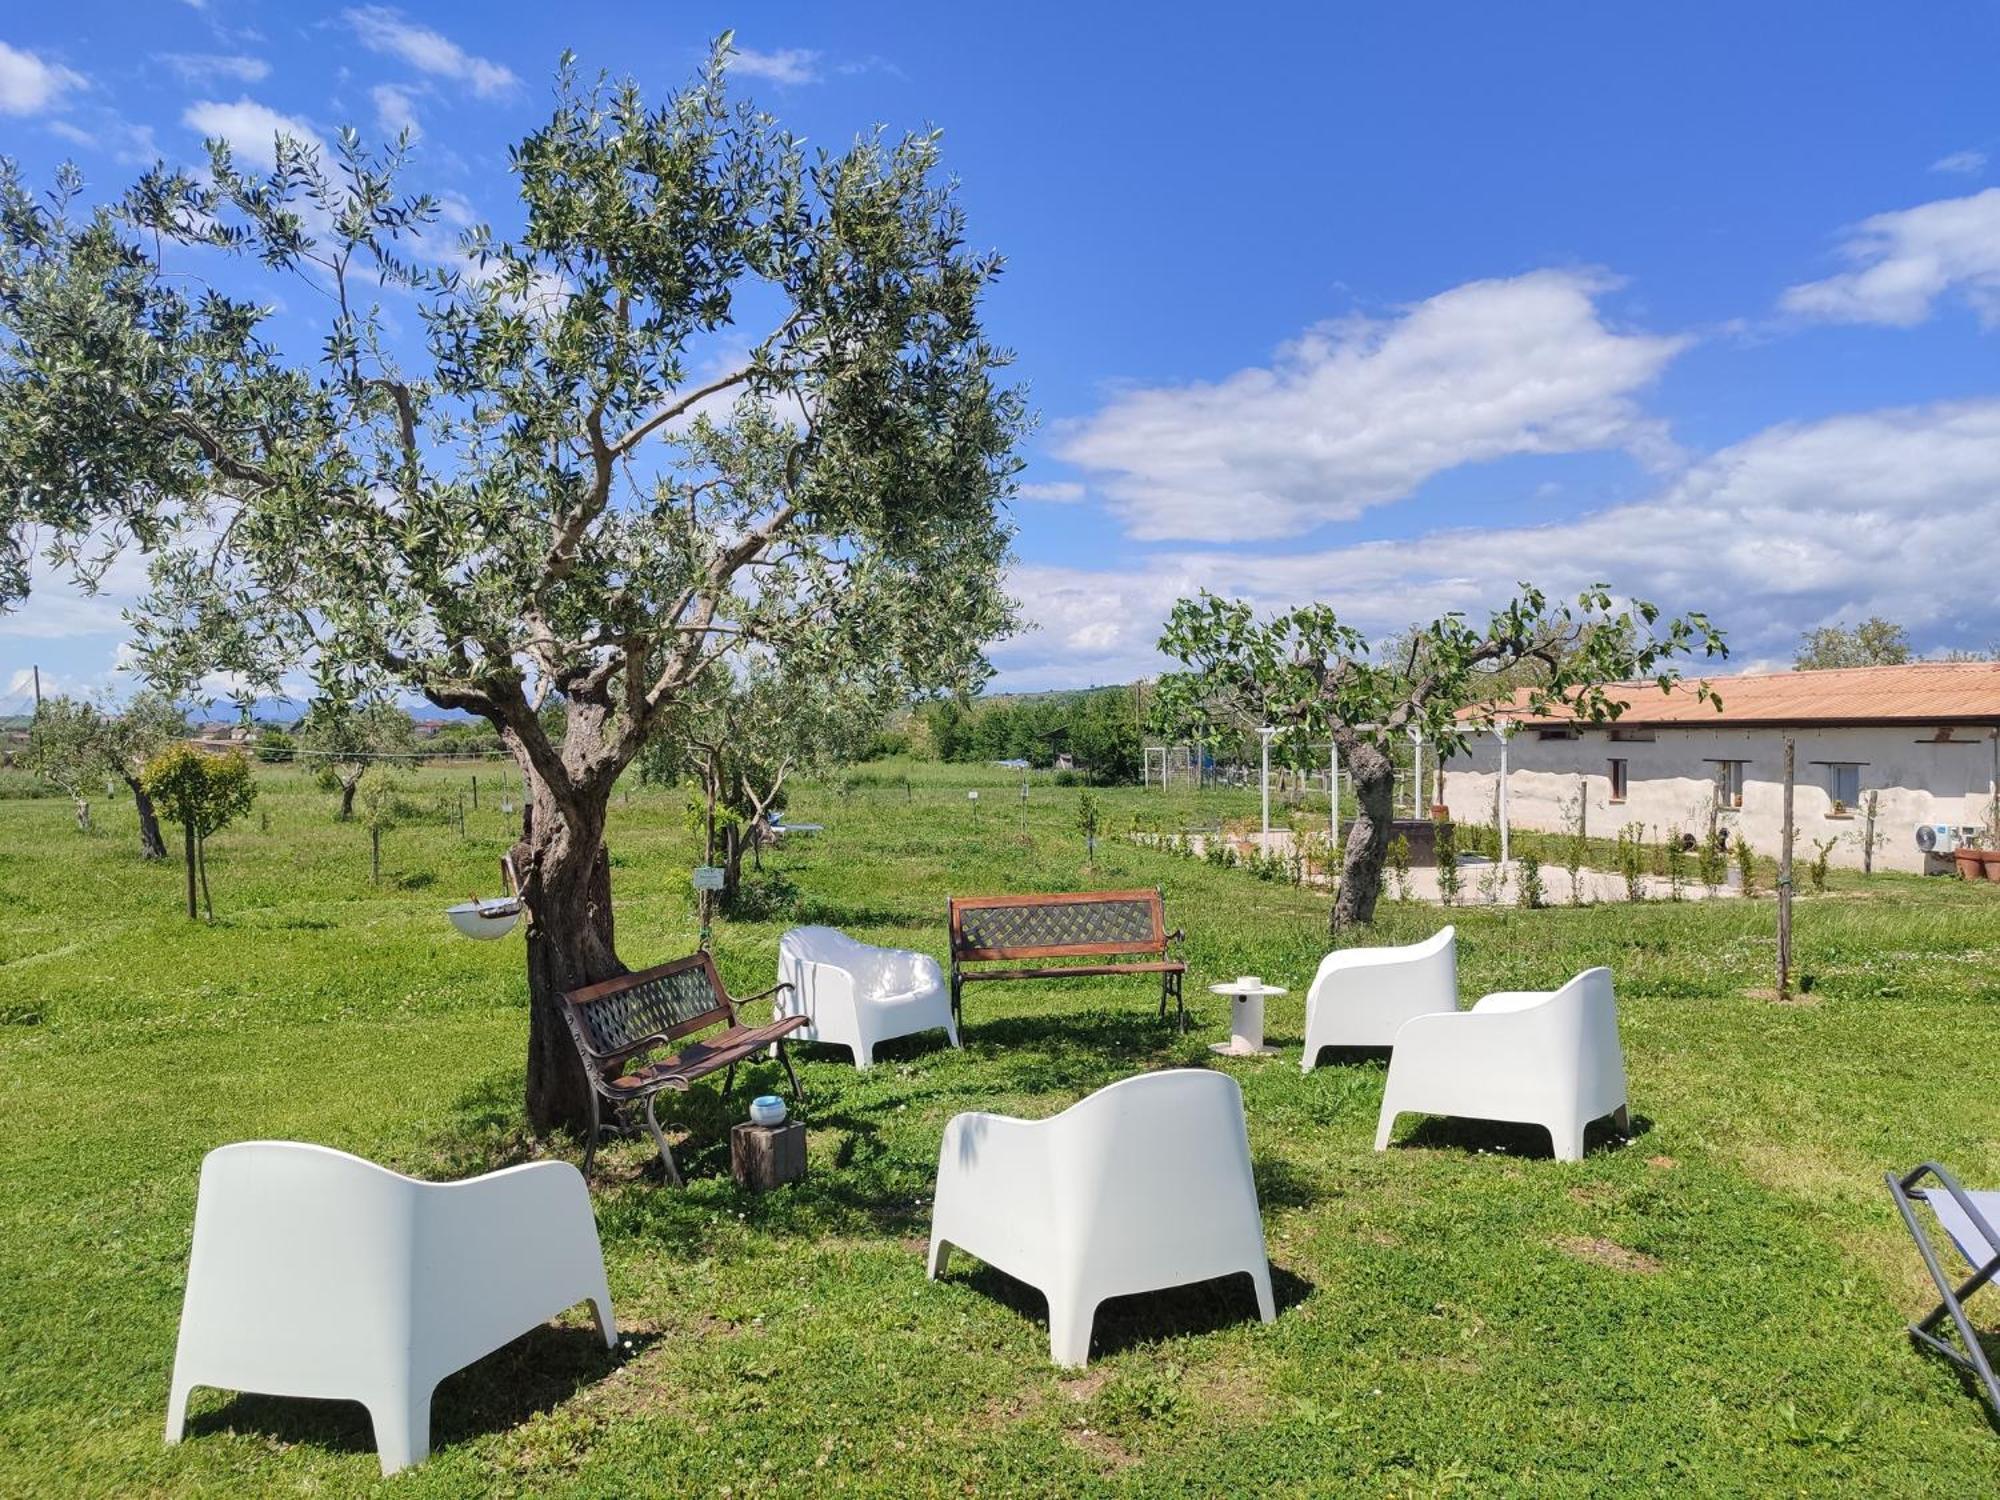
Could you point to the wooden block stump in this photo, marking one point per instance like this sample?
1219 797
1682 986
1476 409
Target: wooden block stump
767 1156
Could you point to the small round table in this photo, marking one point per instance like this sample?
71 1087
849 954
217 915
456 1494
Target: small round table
1246 1020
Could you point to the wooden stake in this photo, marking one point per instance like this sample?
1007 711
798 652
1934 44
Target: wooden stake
1785 881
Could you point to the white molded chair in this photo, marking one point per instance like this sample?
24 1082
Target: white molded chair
856 996
1548 1058
315 1273
1360 996
1144 1185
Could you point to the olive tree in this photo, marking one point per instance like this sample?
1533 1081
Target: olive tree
149 723
715 387
747 733
69 747
344 739
1311 676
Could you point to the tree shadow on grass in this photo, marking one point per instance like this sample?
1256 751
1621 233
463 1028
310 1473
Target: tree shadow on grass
1508 1138
1143 1318
534 1374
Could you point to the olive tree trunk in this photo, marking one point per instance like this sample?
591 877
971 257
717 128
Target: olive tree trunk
565 888
347 787
151 844
1373 776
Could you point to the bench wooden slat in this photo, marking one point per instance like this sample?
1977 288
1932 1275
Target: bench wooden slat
1082 971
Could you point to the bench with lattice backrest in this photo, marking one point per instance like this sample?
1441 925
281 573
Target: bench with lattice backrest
618 1024
1074 925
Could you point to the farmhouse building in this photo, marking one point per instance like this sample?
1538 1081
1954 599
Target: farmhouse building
1885 750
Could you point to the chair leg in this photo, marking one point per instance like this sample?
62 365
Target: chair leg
1566 1138
939 1258
660 1140
728 1082
402 1430
1385 1126
596 1129
1070 1320
177 1404
1260 1278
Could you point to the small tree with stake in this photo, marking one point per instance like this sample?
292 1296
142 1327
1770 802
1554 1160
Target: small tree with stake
347 738
1313 676
204 794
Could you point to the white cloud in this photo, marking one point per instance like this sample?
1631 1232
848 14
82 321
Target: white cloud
250 128
786 65
387 31
1968 163
1053 492
206 67
1359 413
1906 260
122 141
395 109
28 85
1889 512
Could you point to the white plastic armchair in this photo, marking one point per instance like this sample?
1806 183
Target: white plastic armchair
857 996
1360 996
1144 1185
1548 1058
315 1273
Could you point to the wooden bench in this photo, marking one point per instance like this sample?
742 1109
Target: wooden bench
1080 924
617 1023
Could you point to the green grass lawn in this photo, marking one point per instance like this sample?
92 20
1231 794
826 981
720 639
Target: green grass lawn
1714 1307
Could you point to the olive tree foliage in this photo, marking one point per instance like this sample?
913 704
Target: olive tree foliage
748 732
1314 677
69 747
342 739
718 389
203 793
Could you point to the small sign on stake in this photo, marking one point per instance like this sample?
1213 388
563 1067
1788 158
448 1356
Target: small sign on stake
708 877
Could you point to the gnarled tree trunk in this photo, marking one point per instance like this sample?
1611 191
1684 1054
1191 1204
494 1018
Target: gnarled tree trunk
1374 779
346 814
151 844
565 887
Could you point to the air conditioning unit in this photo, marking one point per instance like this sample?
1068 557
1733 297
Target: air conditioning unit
1937 838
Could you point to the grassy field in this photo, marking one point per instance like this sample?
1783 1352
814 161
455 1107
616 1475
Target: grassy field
1714 1307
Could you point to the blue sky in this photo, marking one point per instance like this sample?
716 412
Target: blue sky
1385 306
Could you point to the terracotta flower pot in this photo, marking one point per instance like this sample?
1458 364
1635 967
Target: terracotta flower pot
1991 859
1970 865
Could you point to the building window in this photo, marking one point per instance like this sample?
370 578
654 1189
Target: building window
1729 782
1633 736
1618 781
1843 786
1561 732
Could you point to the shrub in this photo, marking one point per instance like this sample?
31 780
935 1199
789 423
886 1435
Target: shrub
1816 870
1677 864
1447 863
1632 860
1746 866
1575 846
1712 861
1399 865
1532 895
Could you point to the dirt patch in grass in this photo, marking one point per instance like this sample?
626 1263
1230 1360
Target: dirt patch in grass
1590 1195
1081 1388
1663 1163
1110 1454
1603 1252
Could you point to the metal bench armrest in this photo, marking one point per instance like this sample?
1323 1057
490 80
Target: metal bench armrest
783 984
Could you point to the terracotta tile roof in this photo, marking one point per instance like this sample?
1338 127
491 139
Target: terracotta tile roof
1931 692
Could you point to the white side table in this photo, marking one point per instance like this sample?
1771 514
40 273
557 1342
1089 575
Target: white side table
1246 1019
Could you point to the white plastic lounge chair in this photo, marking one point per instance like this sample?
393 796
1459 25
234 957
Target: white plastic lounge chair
1969 1219
1538 1058
1144 1185
1361 995
315 1273
856 996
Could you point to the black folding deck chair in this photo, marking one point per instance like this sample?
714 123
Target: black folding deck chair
1968 1219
